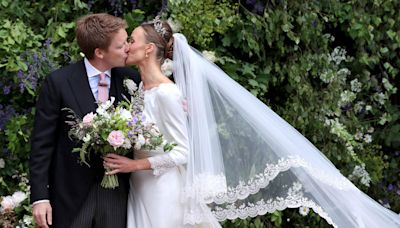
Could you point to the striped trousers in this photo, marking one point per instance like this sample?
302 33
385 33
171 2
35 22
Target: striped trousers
104 208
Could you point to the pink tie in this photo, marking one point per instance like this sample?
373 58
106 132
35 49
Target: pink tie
103 88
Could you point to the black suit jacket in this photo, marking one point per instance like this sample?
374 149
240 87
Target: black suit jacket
55 172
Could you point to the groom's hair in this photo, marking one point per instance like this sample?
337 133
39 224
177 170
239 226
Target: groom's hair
96 31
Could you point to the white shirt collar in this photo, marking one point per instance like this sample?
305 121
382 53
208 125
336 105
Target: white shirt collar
92 71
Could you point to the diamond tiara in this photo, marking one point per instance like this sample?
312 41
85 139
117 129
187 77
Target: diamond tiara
158 26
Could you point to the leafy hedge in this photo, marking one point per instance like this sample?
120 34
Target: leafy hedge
330 68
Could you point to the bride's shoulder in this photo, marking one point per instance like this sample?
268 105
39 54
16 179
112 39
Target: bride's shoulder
168 89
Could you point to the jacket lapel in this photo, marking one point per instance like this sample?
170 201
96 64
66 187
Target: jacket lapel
81 91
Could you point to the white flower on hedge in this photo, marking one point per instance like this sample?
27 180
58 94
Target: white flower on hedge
130 85
210 55
360 172
347 96
359 106
389 87
27 220
11 202
380 98
337 55
367 138
304 211
167 67
2 163
18 197
356 85
327 76
371 130
358 135
175 25
343 73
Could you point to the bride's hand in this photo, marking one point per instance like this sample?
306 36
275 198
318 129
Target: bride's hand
118 164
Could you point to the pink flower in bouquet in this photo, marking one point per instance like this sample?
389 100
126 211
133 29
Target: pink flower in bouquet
116 139
7 203
88 119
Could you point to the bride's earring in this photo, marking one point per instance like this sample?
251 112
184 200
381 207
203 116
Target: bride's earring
146 55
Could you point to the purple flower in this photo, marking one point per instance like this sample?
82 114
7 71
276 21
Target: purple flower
35 57
259 8
6 90
398 191
20 74
5 115
250 2
47 42
314 24
397 153
21 87
133 3
390 187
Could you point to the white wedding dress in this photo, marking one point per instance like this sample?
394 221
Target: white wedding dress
155 195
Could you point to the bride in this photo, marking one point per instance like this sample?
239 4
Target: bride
234 157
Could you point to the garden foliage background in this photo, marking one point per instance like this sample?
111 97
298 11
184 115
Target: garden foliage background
329 67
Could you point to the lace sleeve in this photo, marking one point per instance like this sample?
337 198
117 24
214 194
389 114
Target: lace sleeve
160 164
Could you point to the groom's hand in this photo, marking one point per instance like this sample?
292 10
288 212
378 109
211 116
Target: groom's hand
42 214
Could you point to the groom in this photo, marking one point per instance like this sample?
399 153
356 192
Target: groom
65 193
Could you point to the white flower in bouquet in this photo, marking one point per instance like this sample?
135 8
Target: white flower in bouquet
116 139
140 141
210 55
167 67
154 131
127 144
130 85
87 138
125 114
2 163
103 107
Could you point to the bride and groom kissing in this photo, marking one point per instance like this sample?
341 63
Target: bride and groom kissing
234 157
65 193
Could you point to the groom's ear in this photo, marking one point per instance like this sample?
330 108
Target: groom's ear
99 53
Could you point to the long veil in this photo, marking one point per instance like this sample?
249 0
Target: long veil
246 161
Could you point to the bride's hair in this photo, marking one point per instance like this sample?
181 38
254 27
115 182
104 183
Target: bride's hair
160 33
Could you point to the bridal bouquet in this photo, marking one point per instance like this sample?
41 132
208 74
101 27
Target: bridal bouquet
115 129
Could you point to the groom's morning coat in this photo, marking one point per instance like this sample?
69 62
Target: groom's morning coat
55 172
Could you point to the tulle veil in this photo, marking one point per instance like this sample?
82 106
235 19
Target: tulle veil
246 161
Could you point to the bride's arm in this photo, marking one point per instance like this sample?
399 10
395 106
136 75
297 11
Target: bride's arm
173 124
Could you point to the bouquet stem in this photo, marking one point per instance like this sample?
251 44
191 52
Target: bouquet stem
109 181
